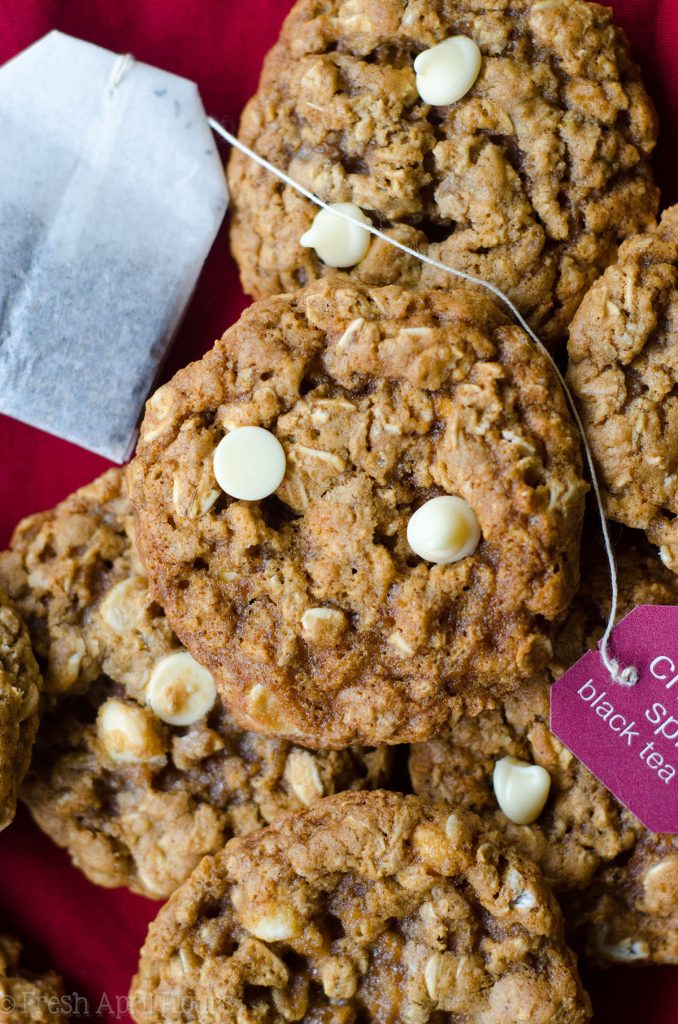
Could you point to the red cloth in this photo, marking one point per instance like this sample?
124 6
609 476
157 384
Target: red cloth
93 935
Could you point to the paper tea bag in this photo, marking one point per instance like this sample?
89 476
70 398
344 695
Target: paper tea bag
111 193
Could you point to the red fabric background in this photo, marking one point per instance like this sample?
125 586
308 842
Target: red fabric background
93 935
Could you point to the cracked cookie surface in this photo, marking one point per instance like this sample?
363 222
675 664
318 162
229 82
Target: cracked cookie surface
20 686
381 399
365 907
584 837
530 181
26 997
623 370
142 814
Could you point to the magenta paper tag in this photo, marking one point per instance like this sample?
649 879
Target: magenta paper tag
628 735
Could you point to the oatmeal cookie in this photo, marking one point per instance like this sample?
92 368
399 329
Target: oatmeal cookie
584 835
27 998
370 907
20 685
530 180
623 370
316 617
134 798
631 912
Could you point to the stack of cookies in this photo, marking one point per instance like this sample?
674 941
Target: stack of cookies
355 524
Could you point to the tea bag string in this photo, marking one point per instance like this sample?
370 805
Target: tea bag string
625 676
119 70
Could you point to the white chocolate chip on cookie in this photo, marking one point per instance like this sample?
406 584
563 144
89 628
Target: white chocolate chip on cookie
521 789
180 691
444 530
276 923
447 71
249 463
338 242
129 733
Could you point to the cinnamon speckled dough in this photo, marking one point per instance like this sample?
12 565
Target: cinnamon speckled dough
381 399
631 911
366 907
25 997
623 368
531 180
584 836
145 824
20 686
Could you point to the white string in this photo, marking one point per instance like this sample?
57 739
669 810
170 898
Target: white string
624 676
119 70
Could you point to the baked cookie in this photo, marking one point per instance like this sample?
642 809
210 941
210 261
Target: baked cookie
311 607
27 998
365 907
583 827
623 370
138 771
530 180
631 911
20 686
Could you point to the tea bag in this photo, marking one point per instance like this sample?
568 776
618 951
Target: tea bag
111 194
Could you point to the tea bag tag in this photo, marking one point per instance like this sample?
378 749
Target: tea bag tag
628 735
111 194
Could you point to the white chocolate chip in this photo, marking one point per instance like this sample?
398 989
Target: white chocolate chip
180 691
338 242
129 733
447 71
278 923
521 789
302 775
444 530
249 463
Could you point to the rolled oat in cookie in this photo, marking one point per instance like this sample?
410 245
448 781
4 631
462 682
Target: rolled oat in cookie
529 177
583 838
26 997
320 612
623 369
20 686
366 907
138 769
